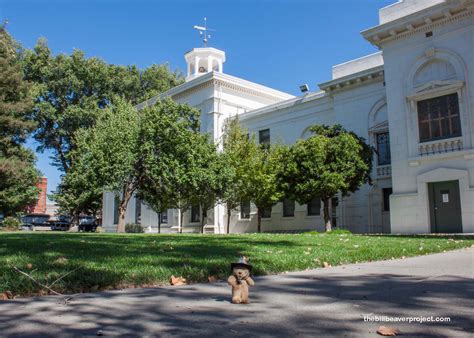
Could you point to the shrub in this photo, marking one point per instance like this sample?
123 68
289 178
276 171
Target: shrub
11 223
134 228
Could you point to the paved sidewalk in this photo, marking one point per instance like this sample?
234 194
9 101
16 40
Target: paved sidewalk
323 302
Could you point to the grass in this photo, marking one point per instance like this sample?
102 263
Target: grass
112 261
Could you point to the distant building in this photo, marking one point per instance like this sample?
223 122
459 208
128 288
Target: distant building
52 211
40 206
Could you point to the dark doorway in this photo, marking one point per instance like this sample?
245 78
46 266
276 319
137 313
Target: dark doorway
445 207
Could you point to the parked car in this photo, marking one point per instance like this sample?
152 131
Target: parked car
35 220
63 223
87 223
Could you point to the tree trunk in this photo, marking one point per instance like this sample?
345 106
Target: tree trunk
62 156
327 217
127 194
259 220
229 211
121 220
202 220
181 221
159 222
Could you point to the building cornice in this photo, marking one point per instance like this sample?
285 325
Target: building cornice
422 21
282 105
224 81
360 78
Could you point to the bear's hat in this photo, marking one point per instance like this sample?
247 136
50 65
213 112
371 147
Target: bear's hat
241 263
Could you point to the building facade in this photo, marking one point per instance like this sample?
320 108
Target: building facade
412 100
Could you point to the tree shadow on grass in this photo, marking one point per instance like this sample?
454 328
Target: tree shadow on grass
118 261
115 261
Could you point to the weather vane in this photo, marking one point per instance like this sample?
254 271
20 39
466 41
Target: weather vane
203 32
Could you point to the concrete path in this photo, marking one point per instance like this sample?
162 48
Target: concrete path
323 302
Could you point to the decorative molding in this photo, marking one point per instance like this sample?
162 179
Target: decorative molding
430 52
440 147
241 89
223 84
225 81
378 36
379 127
383 171
191 90
373 113
357 79
461 154
435 88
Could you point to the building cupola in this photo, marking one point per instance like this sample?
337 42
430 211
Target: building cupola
201 61
206 59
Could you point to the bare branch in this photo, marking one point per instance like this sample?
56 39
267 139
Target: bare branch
34 280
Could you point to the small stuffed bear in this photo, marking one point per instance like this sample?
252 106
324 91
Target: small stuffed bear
240 281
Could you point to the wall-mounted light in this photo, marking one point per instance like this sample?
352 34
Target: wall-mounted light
304 88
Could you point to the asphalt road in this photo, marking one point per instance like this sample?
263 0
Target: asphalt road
323 302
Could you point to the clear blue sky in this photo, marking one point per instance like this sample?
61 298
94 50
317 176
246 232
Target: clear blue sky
278 43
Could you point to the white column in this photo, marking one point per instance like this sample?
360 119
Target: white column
196 65
209 64
220 66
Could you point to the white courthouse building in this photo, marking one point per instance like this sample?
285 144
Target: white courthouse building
413 101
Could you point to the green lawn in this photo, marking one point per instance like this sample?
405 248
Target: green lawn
106 261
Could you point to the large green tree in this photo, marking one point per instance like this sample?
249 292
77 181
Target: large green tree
331 160
71 90
261 167
109 155
207 173
181 166
237 152
18 175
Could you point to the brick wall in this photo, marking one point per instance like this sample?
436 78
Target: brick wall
40 206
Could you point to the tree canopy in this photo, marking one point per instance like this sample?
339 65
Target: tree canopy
236 153
71 90
262 167
108 156
18 174
331 160
167 129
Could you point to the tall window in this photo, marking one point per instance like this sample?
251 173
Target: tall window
264 137
438 118
383 148
245 209
386 192
138 211
314 207
288 207
267 212
164 216
195 214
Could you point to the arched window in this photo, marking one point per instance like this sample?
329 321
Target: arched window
436 70
379 135
435 99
